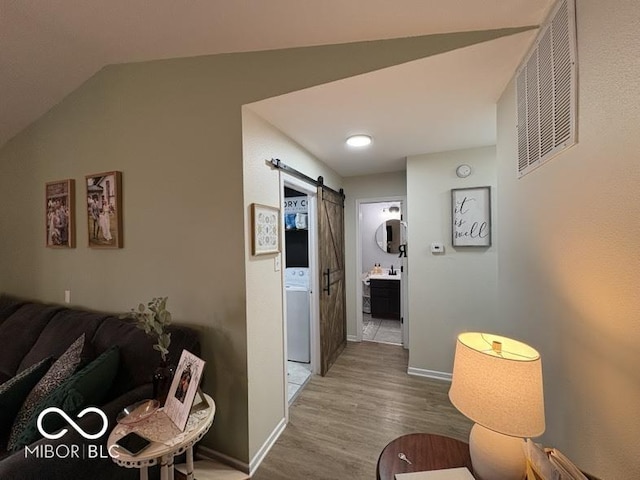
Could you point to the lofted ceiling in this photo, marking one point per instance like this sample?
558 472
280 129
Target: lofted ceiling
48 49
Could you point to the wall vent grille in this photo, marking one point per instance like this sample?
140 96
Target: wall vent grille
546 91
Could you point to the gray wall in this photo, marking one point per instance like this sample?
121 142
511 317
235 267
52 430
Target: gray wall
174 128
569 235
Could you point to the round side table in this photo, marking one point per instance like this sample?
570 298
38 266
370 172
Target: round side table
425 452
167 441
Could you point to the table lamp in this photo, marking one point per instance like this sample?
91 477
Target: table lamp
497 383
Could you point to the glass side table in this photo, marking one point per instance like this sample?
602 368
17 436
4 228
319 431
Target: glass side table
167 441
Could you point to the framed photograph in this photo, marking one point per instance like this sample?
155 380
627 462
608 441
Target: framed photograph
183 388
104 210
60 225
265 229
471 217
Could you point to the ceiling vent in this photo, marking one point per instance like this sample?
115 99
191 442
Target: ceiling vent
546 91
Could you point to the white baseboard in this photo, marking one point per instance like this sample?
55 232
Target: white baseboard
352 338
266 446
421 372
206 453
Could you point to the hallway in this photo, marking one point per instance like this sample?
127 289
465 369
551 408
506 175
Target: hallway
340 423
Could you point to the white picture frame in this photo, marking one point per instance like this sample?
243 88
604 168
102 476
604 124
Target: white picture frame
183 388
471 217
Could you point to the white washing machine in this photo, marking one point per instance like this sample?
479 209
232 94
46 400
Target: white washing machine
296 284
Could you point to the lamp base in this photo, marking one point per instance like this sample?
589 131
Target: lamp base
495 456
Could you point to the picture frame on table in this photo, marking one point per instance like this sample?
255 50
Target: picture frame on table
104 210
471 217
184 386
265 229
60 215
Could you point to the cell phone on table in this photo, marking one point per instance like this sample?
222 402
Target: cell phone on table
133 444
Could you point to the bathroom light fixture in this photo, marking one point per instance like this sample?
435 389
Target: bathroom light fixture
359 140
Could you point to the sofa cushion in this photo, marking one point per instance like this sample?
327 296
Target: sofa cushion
61 369
66 326
14 391
19 333
138 359
8 305
87 387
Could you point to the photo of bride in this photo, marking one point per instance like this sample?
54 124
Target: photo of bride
104 210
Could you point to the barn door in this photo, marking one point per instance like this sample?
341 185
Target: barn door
333 318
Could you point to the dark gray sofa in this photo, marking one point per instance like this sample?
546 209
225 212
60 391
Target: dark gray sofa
32 331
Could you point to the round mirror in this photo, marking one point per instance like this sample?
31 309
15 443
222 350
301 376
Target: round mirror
388 236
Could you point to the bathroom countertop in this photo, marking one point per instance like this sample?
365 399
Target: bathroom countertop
384 276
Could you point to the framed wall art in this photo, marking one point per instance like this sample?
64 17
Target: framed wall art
265 229
60 225
104 210
471 217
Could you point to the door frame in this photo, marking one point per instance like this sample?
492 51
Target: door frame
290 181
404 310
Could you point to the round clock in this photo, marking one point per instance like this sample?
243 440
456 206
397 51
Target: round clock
463 171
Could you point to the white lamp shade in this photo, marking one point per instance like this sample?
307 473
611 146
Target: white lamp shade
502 390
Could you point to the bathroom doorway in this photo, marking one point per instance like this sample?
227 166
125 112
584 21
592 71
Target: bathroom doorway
381 294
300 283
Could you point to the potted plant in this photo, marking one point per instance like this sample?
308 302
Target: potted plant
154 318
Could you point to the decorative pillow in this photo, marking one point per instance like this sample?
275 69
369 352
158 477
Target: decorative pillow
14 391
88 387
61 369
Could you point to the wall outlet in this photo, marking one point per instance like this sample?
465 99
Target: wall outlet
67 296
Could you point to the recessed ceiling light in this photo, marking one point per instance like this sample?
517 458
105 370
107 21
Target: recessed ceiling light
359 140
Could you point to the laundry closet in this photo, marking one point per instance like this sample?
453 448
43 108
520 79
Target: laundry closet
297 288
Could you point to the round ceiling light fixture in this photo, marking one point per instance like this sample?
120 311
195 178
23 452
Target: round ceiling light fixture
359 140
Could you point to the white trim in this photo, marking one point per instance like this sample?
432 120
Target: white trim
266 446
353 338
206 453
434 374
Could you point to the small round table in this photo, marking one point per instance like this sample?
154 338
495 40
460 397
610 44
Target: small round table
167 441
425 452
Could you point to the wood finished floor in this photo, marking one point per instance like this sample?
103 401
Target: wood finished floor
340 423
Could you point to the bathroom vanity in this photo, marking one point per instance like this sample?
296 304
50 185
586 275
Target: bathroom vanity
385 296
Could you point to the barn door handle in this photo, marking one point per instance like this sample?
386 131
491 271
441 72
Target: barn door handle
328 287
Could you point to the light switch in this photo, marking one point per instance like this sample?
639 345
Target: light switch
276 263
67 296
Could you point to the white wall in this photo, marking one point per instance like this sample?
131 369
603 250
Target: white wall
363 188
455 291
569 234
265 334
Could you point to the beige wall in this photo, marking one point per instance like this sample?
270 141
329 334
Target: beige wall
265 334
455 291
174 128
362 188
569 238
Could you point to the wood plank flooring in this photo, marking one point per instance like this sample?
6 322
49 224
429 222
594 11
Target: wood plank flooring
340 423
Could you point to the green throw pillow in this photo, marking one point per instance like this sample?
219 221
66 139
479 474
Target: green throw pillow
88 387
15 390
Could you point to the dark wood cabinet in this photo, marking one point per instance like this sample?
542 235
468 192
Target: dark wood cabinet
385 298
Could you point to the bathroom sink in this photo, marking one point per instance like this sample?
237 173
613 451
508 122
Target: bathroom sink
384 276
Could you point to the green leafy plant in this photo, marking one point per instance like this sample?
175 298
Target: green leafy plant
153 319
